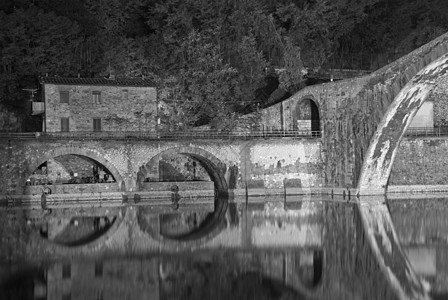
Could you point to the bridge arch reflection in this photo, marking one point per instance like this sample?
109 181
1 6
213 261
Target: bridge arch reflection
204 226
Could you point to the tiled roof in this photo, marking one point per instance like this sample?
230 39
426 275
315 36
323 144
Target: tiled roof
99 81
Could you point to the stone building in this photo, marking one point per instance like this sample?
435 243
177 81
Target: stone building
97 104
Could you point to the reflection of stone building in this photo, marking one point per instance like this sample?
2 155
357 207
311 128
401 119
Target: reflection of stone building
97 104
231 275
112 279
180 277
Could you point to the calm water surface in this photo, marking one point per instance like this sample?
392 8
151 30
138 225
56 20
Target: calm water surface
264 249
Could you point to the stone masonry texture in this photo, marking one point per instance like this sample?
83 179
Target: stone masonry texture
350 111
420 161
119 108
238 162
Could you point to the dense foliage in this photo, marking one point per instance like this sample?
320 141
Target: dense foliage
209 58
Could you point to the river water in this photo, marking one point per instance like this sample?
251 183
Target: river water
265 248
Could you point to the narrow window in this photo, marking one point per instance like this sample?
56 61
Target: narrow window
96 97
96 124
66 271
64 97
65 125
125 94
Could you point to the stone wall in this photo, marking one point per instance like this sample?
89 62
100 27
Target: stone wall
120 108
73 188
183 186
334 100
420 161
440 98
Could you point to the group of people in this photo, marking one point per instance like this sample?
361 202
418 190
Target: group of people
37 179
99 176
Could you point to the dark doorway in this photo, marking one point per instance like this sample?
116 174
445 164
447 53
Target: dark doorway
306 117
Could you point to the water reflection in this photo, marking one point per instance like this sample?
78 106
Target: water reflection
264 248
71 227
422 228
241 275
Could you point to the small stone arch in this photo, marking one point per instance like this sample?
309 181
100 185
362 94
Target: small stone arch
89 154
306 115
215 168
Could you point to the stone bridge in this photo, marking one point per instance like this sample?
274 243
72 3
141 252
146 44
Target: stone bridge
362 122
371 110
236 165
352 115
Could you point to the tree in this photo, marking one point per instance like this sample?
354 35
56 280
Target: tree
292 76
33 43
206 89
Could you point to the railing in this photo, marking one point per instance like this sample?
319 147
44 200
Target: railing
18 135
426 131
208 135
135 135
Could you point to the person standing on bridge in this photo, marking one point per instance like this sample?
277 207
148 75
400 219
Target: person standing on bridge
96 177
101 173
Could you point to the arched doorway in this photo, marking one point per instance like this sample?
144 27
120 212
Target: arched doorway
307 118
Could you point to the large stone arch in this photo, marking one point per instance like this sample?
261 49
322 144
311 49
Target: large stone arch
90 154
375 175
353 108
384 145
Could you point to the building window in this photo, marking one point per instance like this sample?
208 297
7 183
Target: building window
65 125
66 271
64 96
125 94
96 124
96 97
